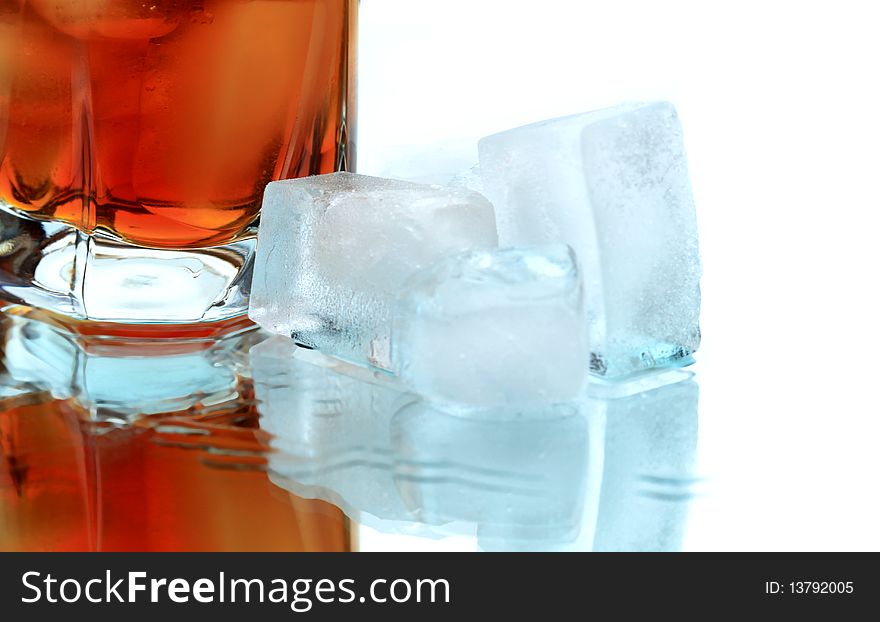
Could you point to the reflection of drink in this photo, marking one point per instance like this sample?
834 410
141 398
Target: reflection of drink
67 484
161 122
114 445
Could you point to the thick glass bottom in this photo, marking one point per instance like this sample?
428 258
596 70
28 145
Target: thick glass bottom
100 279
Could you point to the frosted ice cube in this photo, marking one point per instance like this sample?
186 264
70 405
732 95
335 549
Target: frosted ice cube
498 327
614 185
333 249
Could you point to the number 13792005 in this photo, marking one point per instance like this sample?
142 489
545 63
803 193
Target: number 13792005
809 587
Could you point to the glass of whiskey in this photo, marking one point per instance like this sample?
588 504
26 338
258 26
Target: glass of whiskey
136 139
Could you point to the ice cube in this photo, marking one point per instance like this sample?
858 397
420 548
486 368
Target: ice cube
614 185
487 328
333 249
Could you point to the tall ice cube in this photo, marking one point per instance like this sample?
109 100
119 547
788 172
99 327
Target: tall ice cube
333 250
614 185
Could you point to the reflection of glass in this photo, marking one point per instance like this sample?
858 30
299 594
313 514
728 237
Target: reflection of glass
129 127
605 473
125 378
119 445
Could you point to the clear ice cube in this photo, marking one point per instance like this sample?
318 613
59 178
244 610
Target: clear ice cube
488 328
614 185
333 249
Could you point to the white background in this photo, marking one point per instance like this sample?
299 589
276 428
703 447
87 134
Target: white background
781 110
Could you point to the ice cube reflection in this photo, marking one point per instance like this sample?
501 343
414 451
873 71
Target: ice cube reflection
596 474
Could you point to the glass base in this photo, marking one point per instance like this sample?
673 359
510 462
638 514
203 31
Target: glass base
98 278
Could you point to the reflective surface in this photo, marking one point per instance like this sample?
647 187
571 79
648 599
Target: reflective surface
601 474
123 444
244 442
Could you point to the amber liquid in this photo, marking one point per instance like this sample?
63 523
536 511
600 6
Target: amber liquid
70 484
161 122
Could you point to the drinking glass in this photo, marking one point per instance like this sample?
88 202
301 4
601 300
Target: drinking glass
136 139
